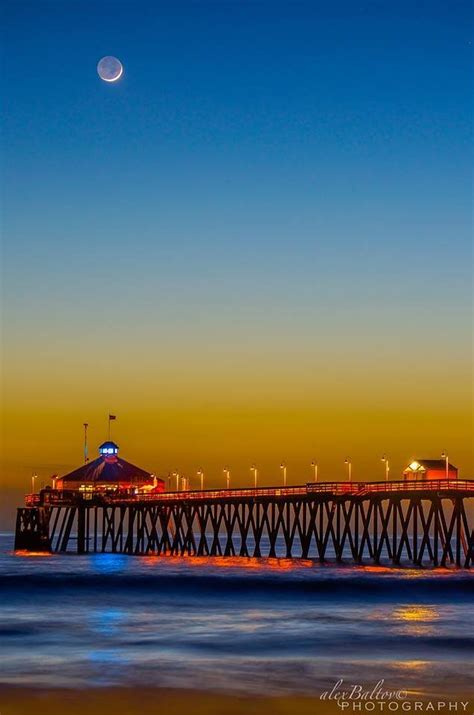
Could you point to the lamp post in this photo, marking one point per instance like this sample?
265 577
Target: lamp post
254 469
201 477
227 477
283 469
446 461
315 471
349 467
387 466
33 477
176 476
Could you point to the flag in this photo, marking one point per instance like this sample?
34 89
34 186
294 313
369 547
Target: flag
112 417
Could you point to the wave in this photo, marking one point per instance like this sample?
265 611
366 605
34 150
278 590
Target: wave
355 586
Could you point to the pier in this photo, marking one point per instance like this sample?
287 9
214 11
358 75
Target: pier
413 523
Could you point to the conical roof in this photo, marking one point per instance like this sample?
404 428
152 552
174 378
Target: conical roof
106 470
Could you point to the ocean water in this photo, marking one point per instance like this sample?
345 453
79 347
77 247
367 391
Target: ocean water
253 626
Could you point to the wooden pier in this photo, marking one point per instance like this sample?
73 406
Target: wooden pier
389 523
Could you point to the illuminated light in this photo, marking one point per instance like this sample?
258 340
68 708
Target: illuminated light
410 665
415 620
414 466
33 554
416 613
108 447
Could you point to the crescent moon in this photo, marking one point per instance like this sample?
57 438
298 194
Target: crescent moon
109 69
114 79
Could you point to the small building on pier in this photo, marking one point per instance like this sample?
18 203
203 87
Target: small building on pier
430 470
109 472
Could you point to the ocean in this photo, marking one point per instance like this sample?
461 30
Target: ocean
231 625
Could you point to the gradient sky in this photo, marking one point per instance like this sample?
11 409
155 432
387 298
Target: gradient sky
254 247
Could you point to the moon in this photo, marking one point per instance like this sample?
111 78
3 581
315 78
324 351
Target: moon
110 69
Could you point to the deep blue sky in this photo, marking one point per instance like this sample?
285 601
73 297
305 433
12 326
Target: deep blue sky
270 184
279 117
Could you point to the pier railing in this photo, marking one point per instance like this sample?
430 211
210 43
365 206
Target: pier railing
336 488
339 488
428 485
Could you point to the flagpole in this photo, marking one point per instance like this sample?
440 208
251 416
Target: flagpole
111 418
86 457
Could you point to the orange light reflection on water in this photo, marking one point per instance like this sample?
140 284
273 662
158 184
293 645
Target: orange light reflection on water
411 664
415 620
416 613
232 562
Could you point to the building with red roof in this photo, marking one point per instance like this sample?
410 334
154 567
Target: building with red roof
109 472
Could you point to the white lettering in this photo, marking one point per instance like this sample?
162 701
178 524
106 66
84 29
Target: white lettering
355 693
332 693
376 691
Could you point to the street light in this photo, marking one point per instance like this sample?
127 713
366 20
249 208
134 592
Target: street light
33 477
283 469
201 476
254 469
349 467
227 477
315 470
446 460
176 476
387 467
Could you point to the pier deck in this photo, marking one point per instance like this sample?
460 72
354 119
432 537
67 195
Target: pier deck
422 523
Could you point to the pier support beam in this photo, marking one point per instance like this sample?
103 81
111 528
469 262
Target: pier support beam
81 530
419 527
32 530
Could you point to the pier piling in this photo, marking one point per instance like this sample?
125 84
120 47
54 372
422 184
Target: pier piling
425 525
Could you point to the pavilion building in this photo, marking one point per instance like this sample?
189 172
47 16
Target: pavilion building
109 472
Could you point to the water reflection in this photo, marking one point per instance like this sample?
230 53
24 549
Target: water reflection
415 620
230 562
32 554
108 621
109 563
